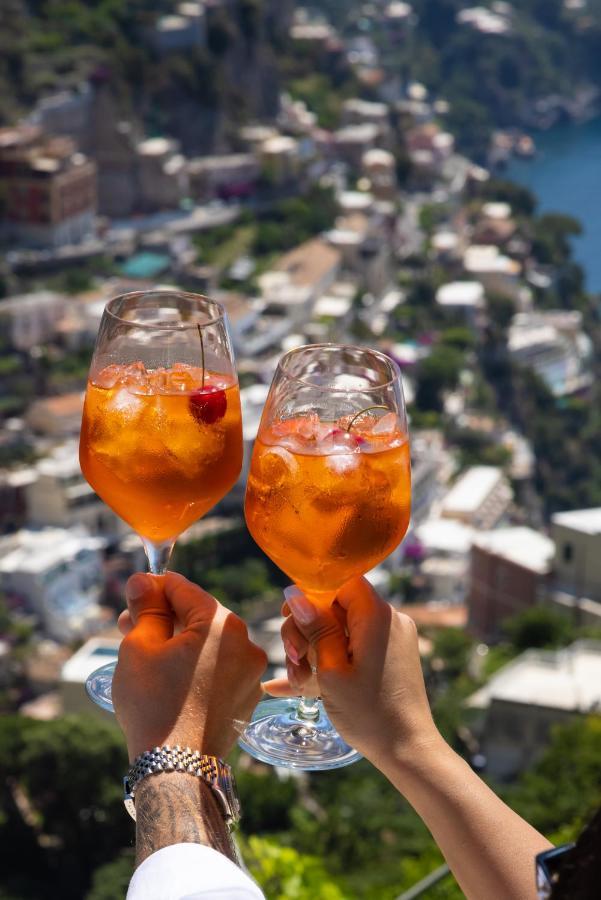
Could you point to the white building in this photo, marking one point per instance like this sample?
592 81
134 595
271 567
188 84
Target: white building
95 653
57 574
498 273
33 319
162 174
524 700
56 417
480 498
555 346
485 20
577 567
299 278
353 141
446 546
57 494
466 297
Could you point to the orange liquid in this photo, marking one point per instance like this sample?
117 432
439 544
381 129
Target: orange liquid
149 458
324 519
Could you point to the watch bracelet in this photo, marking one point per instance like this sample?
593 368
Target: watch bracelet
177 759
171 759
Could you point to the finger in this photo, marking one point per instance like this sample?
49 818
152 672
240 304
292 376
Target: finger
280 687
295 643
321 628
361 604
299 680
125 622
148 607
191 605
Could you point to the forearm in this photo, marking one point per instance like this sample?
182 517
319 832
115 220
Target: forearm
174 808
489 848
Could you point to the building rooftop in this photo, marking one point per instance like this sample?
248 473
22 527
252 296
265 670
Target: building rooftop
354 201
445 536
587 521
523 546
398 10
308 263
63 406
437 615
568 679
357 134
332 306
95 653
485 258
32 301
461 293
37 551
61 462
471 490
496 210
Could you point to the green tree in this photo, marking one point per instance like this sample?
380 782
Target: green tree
539 626
435 374
564 786
286 874
111 880
551 238
61 802
453 647
521 200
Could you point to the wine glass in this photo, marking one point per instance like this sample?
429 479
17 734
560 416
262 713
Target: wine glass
328 497
161 435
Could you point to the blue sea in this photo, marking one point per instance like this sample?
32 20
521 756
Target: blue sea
566 177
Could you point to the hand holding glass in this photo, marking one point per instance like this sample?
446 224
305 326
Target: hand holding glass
161 437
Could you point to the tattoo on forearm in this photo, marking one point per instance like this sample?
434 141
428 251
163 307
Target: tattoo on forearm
178 809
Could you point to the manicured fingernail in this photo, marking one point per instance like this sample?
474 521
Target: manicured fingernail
302 609
291 652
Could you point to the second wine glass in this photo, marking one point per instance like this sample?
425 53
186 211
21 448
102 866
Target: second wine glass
328 498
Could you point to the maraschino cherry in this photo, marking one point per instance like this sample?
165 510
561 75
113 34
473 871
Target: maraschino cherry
208 405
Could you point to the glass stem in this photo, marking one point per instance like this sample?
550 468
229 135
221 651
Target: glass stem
158 555
308 709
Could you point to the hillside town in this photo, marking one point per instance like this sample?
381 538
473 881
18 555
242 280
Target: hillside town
377 231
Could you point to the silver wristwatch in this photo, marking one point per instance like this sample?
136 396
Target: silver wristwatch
213 771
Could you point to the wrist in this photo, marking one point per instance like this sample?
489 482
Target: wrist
406 761
177 808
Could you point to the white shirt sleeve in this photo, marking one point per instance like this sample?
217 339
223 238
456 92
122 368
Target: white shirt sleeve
191 872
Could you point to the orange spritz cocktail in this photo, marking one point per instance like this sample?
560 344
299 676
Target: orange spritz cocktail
329 500
161 446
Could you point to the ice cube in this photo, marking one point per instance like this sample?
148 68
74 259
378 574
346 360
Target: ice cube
308 426
108 377
136 377
342 463
386 425
124 403
277 464
178 381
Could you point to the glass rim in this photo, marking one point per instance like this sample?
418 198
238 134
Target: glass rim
180 326
382 357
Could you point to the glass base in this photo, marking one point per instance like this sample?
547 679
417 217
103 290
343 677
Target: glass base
98 686
278 736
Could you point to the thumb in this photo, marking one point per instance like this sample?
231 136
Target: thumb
149 609
322 628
